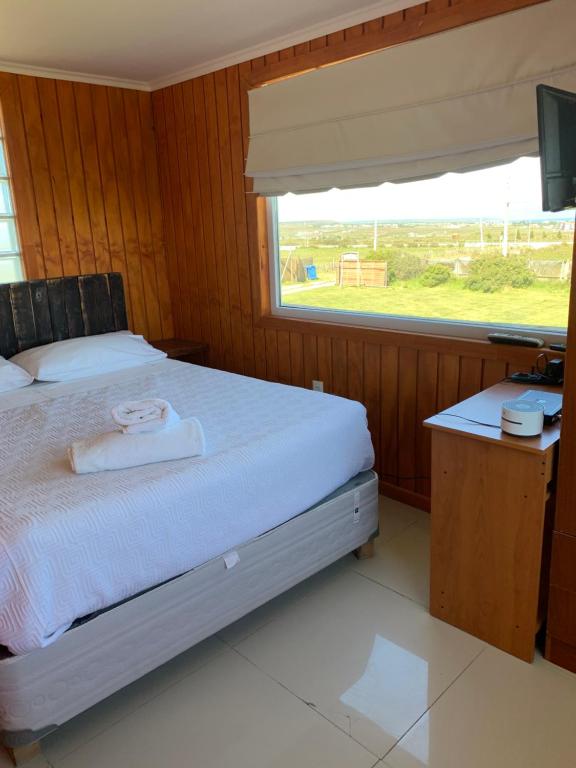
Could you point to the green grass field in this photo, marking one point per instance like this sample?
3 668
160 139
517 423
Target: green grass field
542 304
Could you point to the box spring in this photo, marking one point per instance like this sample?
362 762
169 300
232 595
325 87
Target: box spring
43 689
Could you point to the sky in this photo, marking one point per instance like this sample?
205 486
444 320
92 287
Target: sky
476 194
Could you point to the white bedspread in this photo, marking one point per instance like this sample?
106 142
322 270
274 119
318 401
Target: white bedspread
73 544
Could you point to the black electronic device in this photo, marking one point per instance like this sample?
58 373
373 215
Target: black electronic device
551 401
557 139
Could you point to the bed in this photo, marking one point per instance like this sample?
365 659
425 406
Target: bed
104 577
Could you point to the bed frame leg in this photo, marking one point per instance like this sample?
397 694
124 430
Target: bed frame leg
23 755
365 551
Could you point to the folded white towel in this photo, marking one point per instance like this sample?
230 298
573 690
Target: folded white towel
116 450
136 416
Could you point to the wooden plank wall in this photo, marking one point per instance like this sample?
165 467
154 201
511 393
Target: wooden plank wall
215 258
85 179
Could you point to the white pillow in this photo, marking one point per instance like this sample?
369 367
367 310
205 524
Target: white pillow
12 376
87 356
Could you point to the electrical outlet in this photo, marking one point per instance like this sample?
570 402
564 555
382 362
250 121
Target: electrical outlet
317 386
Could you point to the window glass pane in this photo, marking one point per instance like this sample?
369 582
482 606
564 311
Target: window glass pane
5 198
470 247
10 269
3 171
8 237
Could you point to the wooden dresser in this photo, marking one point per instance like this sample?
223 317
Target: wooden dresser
491 518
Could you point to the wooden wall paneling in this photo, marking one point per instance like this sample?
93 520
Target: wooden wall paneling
75 177
152 187
297 360
133 275
318 43
372 391
159 117
283 344
138 176
355 367
227 185
407 398
352 32
21 173
40 176
272 355
56 159
252 254
389 383
205 202
340 366
239 198
448 380
82 176
324 344
426 406
207 320
93 181
218 216
493 371
310 357
373 26
103 136
184 225
470 377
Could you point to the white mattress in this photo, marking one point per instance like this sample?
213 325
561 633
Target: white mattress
71 545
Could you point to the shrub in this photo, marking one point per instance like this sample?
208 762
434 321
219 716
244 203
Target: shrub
489 274
435 274
404 266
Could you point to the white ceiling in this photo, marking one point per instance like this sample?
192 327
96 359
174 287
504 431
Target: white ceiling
151 43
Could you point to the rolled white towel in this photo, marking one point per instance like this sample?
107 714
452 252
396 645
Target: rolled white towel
117 450
135 416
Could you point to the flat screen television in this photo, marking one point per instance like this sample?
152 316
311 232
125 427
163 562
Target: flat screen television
557 137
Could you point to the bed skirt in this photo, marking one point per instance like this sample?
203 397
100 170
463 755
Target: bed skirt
43 689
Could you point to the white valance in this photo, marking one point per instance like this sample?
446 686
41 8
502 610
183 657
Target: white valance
454 101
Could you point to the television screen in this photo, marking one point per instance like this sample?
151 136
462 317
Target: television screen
557 136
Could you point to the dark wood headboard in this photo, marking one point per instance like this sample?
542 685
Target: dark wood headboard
37 312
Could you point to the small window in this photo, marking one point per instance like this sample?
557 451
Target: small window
10 257
463 254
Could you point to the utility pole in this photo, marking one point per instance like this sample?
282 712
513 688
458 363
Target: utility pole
506 219
482 233
375 239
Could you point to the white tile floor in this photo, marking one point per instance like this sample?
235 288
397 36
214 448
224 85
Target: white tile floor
347 670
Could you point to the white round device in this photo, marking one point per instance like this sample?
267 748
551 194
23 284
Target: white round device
524 418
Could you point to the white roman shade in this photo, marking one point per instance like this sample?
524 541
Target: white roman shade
458 100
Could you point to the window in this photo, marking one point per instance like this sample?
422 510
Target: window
10 262
456 255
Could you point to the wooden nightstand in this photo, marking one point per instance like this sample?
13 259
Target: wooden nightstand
491 515
184 349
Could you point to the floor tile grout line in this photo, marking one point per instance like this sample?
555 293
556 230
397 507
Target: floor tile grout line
309 705
139 706
390 589
436 700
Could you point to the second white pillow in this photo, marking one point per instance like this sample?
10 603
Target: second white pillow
87 356
12 376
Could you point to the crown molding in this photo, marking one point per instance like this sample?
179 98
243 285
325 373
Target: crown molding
326 27
76 77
